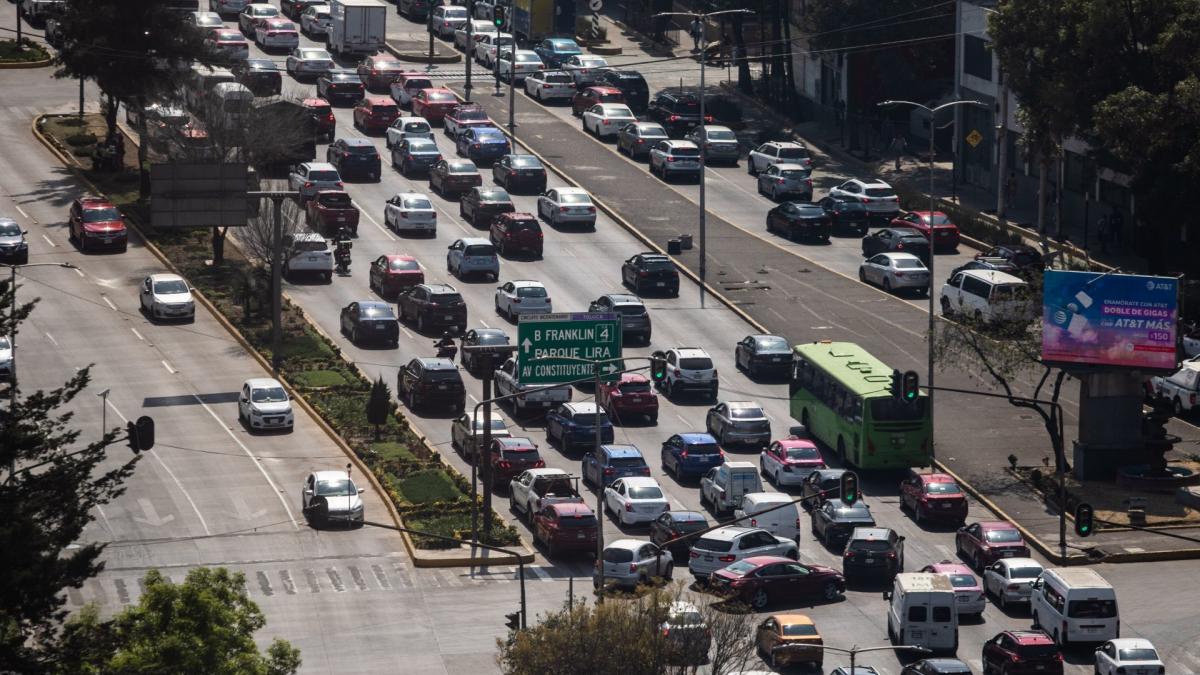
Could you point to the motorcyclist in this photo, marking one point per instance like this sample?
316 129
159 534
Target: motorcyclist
341 252
446 345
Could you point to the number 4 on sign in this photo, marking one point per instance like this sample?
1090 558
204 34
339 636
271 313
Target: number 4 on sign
604 334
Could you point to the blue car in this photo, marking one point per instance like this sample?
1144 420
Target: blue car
482 143
691 454
574 424
555 51
613 462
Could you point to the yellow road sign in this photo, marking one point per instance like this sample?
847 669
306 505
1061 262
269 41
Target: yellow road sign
974 138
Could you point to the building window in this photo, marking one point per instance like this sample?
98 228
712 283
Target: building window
977 57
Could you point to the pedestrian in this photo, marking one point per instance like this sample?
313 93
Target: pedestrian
697 32
897 146
1116 223
1102 228
1010 189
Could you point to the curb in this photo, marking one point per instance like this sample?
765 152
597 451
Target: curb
605 51
419 57
418 560
22 65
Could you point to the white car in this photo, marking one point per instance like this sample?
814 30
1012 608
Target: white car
1181 388
522 296
724 546
277 34
307 253
254 13
485 47
316 21
331 497
167 296
778 152
410 212
467 430
308 62
206 20
310 178
535 488
567 205
607 119
585 69
479 28
629 562
880 198
635 499
893 271
6 358
446 19
263 404
408 127
527 62
1011 579
1128 656
549 84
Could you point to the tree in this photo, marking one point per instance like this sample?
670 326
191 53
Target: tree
203 626
257 238
379 405
52 482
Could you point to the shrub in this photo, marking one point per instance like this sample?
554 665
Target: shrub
81 138
431 485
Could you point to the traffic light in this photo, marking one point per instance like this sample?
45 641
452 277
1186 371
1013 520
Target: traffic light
132 436
897 386
910 387
499 18
514 621
849 489
658 369
140 434
1084 521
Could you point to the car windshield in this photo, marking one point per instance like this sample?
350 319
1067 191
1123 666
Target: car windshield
799 629
873 546
9 229
417 203
462 167
324 176
416 145
794 174
1024 572
803 453
626 462
172 286
879 193
647 492
314 54
721 135
746 413
580 521
380 311
1137 655
403 265
618 555
635 387
574 198
963 581
907 264
889 410
528 58
531 292
1092 609
268 395
335 488
491 339
696 363
101 215
942 489
1002 536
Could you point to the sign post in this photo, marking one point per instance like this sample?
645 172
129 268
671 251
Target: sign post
575 337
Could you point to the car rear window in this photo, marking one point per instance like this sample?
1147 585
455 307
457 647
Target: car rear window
523 225
907 264
362 150
454 12
874 545
417 83
718 545
528 58
491 339
685 152
686 619
574 198
793 153
635 388
617 97
1024 572
526 162
942 615
447 375
745 413
696 363
338 200
625 462
1092 609
588 521
721 135
1002 536
531 292
685 526
101 215
376 311
384 110
702 448
462 167
417 203
560 78
1037 651
618 555
416 145
631 310
803 453
647 492
310 245
589 419
1137 655
879 192
963 581
328 176
470 114
799 629
484 250
447 299
403 265
942 489
795 174
416 127
440 96
520 454
888 410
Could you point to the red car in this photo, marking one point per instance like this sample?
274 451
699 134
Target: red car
433 104
322 116
96 223
760 580
375 113
1022 652
380 71
790 460
986 542
510 457
590 96
945 232
517 232
933 496
463 117
330 210
565 527
630 397
390 273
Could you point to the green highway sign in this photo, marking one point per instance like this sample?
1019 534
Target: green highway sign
540 337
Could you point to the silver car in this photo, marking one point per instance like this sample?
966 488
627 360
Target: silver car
308 62
167 296
446 19
629 562
739 422
549 84
893 271
331 497
1011 579
310 178
585 69
264 404
472 255
316 20
13 247
567 205
479 28
636 139
783 180
718 143
6 358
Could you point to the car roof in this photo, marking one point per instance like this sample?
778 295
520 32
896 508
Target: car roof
630 544
731 532
623 298
154 278
872 184
742 405
996 525
950 567
319 166
870 533
400 256
633 377
262 383
791 166
936 478
697 438
515 441
941 663
548 471
796 442
527 283
605 89
434 363
687 516
475 241
412 195
572 509
585 407
357 142
1030 637
571 191
690 352
611 107
1020 562
640 481
995 276
308 236
682 144
1132 643
440 288
620 451
792 619
900 255
375 304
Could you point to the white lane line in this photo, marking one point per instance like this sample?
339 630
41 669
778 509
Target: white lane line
49 241
139 335
682 418
406 333
472 397
540 573
484 324
51 338
20 210
79 272
278 492
168 367
374 222
109 302
154 454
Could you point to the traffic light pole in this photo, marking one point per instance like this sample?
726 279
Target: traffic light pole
470 48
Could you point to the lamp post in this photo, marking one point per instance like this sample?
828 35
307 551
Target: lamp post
703 48
930 291
12 316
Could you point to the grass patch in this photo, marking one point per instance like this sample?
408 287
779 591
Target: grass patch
319 378
392 450
26 52
306 346
457 524
431 485
81 138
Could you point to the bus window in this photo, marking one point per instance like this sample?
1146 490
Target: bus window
889 410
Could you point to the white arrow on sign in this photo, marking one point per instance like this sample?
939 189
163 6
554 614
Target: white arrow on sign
243 512
152 518
609 368
526 345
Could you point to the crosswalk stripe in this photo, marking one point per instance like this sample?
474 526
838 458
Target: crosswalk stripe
448 578
403 575
314 585
541 573
359 580
289 586
381 578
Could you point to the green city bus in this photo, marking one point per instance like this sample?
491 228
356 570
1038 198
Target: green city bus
842 396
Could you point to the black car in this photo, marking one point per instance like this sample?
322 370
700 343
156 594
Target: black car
370 321
900 239
520 173
260 76
481 337
479 206
937 667
847 215
341 87
833 522
764 355
13 247
873 551
650 272
632 85
821 480
675 524
433 306
635 319
792 219
990 264
292 9
1022 256
354 158
427 381
677 111
415 10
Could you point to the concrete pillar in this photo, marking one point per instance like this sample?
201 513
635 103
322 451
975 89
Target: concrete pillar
1110 424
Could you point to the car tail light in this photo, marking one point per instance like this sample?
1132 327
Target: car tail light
563 209
628 507
607 122
512 172
539 464
866 201
891 555
608 471
632 568
546 86
670 158
307 183
673 118
516 301
708 119
727 558
643 274
693 554
848 555
339 184
753 522
504 464
1013 587
645 471
781 181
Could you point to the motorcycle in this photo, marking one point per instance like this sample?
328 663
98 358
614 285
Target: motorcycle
446 351
341 257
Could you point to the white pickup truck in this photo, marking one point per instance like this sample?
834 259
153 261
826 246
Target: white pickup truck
535 488
1181 388
543 400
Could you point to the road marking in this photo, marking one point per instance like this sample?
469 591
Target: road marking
683 419
51 338
374 222
152 518
20 210
49 241
109 302
139 335
168 367
79 271
540 573
484 324
406 333
472 397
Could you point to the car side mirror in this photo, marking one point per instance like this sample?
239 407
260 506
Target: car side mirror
887 595
899 539
543 194
361 490
23 232
308 492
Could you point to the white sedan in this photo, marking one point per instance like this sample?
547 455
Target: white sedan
607 119
485 47
567 205
408 127
479 28
316 20
893 271
636 499
585 69
549 84
522 296
277 34
410 212
308 62
527 62
1011 579
1128 656
167 296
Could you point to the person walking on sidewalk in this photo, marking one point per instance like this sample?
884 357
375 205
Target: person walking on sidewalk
1116 221
696 30
1010 189
897 146
1102 231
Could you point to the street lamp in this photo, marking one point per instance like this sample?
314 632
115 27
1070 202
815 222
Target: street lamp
12 314
703 49
856 650
930 291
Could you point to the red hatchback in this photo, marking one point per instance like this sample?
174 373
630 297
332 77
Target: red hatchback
96 223
629 398
390 273
761 580
322 116
944 230
517 232
375 113
511 457
1022 652
590 96
565 527
986 542
933 496
379 71
433 104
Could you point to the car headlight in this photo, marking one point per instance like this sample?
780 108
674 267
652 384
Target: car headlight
256 412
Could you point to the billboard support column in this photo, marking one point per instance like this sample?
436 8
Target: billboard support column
276 284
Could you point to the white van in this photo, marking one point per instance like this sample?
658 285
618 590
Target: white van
922 611
723 486
986 295
1075 604
781 522
228 103
202 80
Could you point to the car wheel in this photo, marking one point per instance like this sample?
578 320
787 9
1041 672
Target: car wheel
946 310
1002 601
354 335
830 592
887 285
759 601
977 563
420 323
774 194
776 479
1178 407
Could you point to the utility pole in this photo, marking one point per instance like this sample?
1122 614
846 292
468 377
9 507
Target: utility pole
277 285
1002 152
512 80
103 411
429 27
470 47
599 487
483 452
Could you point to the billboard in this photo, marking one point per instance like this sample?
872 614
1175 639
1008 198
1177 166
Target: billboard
1113 320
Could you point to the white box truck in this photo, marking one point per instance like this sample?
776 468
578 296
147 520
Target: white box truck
358 27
